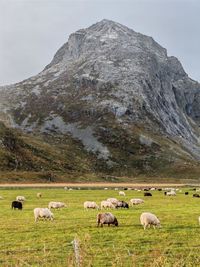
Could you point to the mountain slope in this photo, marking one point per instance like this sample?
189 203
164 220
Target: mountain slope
115 91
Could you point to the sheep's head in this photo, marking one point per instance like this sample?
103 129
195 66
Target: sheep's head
116 222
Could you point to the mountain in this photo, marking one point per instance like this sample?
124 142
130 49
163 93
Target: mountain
130 107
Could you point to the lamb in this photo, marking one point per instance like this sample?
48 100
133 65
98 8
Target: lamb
90 205
121 193
107 205
136 201
39 195
56 205
42 213
106 218
148 219
20 198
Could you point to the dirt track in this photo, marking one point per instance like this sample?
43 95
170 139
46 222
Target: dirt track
57 185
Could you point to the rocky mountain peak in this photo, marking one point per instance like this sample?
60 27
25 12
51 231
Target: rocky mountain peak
107 73
106 38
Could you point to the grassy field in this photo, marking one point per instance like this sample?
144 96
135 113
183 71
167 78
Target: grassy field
26 243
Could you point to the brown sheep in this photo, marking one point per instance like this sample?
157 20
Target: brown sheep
106 218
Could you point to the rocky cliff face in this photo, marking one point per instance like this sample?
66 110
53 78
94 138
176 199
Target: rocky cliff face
108 77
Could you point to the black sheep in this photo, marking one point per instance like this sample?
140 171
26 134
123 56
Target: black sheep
147 194
17 205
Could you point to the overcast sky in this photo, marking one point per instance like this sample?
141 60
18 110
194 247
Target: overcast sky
31 31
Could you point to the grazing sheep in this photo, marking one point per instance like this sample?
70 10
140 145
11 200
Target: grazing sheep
121 193
122 204
39 195
106 218
196 195
42 213
56 205
112 200
90 205
147 194
107 205
20 198
16 205
136 201
148 219
171 193
186 193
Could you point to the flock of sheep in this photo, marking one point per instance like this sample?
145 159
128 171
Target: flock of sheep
146 218
38 212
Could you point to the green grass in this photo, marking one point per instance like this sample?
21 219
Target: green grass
26 243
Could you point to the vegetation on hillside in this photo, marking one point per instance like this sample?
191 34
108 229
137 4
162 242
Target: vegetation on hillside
59 158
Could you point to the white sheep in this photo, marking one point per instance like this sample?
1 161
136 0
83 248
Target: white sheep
42 213
171 193
90 205
39 195
136 201
148 219
20 198
107 205
121 193
56 205
112 200
199 220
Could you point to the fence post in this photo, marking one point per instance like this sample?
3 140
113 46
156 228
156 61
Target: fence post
76 247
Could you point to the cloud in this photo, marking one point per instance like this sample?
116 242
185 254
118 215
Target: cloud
32 31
